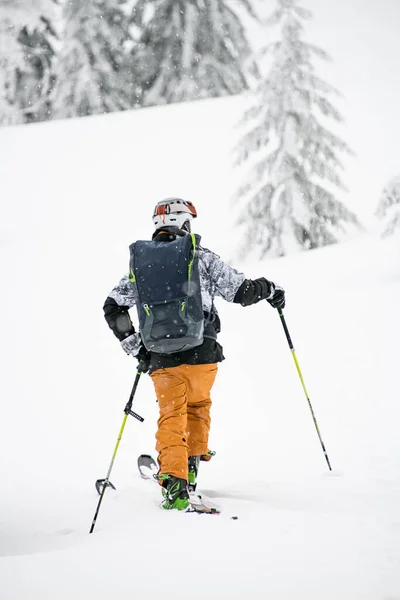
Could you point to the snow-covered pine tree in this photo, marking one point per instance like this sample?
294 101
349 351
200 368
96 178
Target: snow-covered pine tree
90 77
289 195
34 83
16 18
191 49
389 207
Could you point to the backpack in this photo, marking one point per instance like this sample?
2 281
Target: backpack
168 294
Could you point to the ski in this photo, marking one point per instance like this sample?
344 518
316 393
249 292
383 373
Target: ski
198 504
203 511
148 469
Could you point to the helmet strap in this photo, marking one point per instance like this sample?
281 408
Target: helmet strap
186 226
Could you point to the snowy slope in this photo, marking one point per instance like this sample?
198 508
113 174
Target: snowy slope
74 195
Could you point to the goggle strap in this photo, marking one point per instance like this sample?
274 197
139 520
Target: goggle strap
164 209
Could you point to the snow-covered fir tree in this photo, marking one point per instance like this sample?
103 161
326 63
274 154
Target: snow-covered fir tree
389 207
90 74
289 194
191 49
35 81
20 21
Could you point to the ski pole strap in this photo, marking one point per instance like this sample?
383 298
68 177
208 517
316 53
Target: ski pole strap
133 414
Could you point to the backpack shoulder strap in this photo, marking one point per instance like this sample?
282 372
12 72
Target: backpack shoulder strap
132 277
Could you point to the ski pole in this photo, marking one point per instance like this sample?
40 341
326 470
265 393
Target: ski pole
103 484
286 330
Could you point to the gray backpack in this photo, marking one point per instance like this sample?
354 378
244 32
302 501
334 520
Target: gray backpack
168 295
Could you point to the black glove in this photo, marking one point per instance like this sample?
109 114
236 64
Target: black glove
277 296
143 357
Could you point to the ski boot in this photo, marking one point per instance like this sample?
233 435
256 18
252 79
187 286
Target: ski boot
175 492
193 468
193 464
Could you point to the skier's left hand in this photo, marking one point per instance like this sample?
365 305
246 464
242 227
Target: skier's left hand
143 358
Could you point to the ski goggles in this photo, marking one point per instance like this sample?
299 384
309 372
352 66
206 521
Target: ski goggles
176 206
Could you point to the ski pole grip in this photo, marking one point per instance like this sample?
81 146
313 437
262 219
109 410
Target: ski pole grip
285 328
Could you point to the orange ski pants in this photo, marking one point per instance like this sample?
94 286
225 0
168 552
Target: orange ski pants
184 401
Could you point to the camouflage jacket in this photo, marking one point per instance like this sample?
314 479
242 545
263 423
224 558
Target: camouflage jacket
216 279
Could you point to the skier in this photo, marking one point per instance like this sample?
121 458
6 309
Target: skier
183 372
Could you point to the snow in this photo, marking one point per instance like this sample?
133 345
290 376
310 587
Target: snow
74 195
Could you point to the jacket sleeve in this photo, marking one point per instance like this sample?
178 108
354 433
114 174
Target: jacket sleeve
116 308
232 285
224 281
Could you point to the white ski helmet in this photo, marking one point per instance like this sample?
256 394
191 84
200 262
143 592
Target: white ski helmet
174 212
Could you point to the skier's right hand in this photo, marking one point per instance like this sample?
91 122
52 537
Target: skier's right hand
143 357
